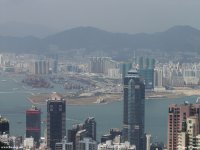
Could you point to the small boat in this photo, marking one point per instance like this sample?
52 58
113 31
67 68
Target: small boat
3 80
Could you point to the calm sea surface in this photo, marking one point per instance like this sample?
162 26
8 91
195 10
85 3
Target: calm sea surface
13 103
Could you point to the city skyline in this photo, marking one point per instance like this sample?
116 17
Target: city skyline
108 78
99 75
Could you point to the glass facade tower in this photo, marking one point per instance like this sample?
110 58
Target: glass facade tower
56 122
134 109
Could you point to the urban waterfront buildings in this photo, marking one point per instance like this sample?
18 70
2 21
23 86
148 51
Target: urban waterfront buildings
189 136
158 78
39 67
81 131
33 124
111 135
183 125
79 137
11 141
71 134
101 65
133 120
90 126
148 76
56 120
146 70
4 125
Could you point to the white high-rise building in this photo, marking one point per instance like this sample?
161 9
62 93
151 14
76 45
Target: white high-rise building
158 78
181 141
196 141
39 67
192 128
101 65
189 135
148 141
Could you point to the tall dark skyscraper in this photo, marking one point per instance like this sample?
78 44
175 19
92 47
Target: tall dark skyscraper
134 109
4 125
33 123
56 121
90 126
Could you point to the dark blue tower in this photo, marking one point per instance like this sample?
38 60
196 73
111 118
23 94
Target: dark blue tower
56 121
134 109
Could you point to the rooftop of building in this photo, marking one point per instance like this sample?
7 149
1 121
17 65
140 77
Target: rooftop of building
2 119
186 103
56 96
89 119
33 108
133 73
75 126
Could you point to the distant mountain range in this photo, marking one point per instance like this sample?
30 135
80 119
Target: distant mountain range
177 38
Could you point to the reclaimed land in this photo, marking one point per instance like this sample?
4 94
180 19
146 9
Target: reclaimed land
40 99
172 94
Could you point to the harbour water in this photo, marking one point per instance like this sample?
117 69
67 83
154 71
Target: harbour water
13 103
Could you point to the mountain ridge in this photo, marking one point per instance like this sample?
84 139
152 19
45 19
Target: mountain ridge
180 38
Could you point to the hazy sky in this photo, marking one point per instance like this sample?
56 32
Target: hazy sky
131 16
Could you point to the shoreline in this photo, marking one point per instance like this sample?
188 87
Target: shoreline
90 104
40 98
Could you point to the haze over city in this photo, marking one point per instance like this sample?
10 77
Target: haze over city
130 16
99 74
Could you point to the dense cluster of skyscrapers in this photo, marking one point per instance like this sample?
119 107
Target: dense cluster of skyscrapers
138 75
179 74
156 74
83 136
